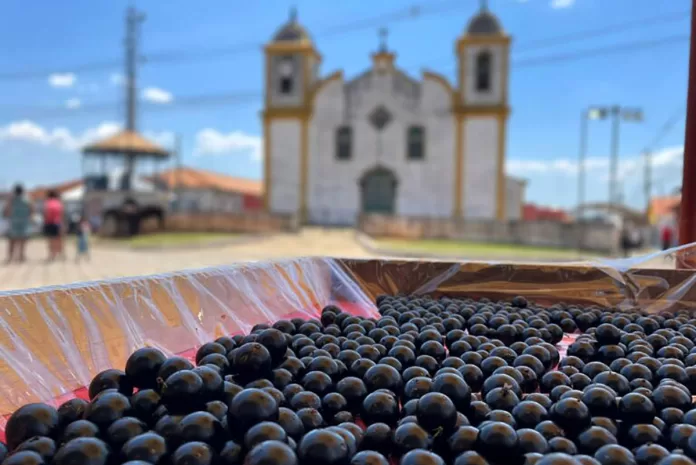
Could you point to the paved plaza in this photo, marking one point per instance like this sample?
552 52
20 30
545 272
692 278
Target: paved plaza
116 261
119 261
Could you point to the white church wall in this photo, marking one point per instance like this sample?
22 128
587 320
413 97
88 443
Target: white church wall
330 197
285 165
424 186
480 167
495 95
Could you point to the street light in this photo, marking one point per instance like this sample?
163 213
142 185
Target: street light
618 114
592 113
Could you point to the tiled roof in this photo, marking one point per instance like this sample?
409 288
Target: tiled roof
41 192
193 178
127 142
663 206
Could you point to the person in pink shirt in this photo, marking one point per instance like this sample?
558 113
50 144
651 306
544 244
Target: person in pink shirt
53 225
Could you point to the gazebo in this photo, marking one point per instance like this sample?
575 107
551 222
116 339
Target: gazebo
122 208
127 144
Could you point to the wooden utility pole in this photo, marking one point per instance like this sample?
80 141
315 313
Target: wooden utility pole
133 20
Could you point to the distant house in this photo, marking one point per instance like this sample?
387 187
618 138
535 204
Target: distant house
66 190
205 191
197 191
664 209
532 212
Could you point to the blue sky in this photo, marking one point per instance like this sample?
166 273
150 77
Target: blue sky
46 117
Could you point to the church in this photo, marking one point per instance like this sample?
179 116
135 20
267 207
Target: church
385 142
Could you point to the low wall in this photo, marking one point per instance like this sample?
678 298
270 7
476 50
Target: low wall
257 222
595 237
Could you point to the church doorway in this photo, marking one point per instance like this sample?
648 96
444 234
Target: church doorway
378 189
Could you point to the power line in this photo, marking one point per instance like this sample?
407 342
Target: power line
44 73
397 16
589 34
244 97
664 130
602 31
414 11
600 51
44 112
667 127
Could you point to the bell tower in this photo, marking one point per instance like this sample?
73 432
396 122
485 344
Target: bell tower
292 66
482 110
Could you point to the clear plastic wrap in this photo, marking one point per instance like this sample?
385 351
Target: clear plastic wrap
54 340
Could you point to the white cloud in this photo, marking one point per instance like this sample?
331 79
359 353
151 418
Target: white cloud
156 95
62 79
557 4
66 140
73 103
667 157
212 142
117 79
163 138
59 137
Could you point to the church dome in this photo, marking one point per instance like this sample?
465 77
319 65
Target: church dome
292 31
484 23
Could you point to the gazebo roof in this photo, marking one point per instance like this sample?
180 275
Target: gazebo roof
126 142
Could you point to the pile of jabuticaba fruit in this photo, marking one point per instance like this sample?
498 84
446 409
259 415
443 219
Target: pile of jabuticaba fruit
431 382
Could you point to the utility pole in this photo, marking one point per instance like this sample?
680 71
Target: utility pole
133 20
584 120
647 181
177 170
614 160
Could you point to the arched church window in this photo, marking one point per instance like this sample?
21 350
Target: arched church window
344 143
286 71
484 69
415 143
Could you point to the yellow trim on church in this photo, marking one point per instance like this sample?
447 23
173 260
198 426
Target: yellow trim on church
462 112
304 168
267 140
466 41
501 187
303 113
459 167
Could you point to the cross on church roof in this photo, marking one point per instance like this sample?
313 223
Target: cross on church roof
293 14
484 5
383 33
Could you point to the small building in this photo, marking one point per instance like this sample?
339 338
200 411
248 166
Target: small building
663 210
532 212
205 191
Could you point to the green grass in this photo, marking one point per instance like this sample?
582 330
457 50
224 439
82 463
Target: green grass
477 250
177 239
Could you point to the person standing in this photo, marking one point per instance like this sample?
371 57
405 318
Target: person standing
83 230
53 225
667 236
18 212
626 239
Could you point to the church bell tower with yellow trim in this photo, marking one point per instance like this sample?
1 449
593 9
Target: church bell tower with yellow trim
481 113
291 71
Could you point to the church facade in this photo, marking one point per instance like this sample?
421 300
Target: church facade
384 142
